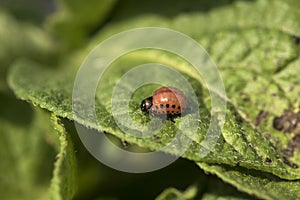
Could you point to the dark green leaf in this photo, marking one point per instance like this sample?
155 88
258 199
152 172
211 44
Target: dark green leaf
263 185
74 20
27 153
64 181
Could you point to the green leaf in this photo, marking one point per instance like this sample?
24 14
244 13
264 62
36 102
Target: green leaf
254 48
263 185
27 153
22 40
75 20
217 189
135 8
214 189
32 10
260 76
288 81
239 142
64 181
174 194
277 15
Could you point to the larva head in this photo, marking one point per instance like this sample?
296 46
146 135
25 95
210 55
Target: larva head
146 104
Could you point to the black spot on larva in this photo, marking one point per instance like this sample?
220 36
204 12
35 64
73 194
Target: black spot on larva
168 112
172 111
161 105
163 112
156 107
173 106
167 105
179 107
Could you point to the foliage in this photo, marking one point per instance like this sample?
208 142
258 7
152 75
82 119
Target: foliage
255 45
